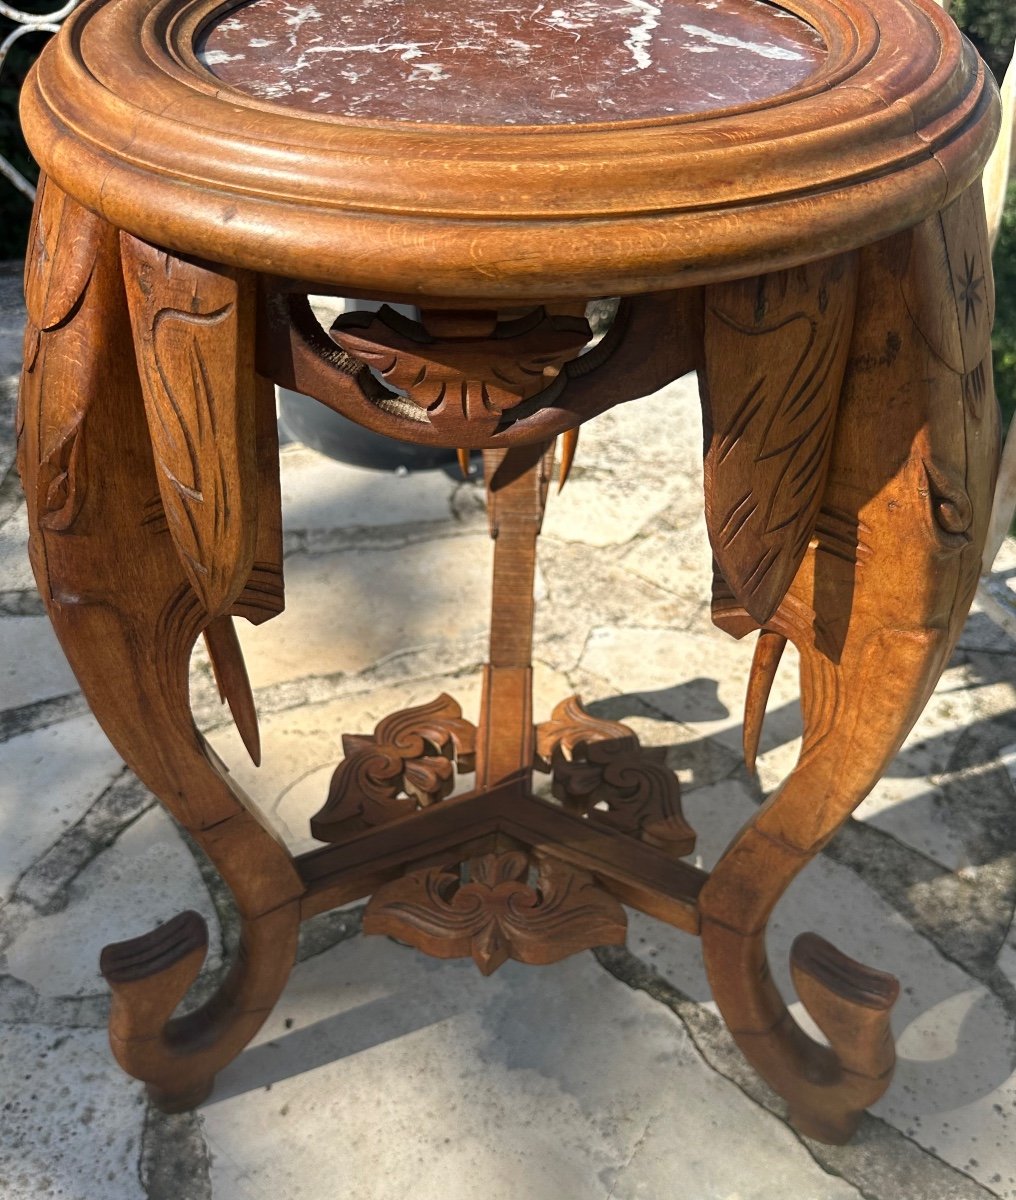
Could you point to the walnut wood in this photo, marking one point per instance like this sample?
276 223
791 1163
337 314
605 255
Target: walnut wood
875 610
193 333
465 380
517 481
127 615
406 764
124 117
638 874
498 913
263 594
569 444
764 665
600 765
231 678
178 1057
775 350
652 341
821 257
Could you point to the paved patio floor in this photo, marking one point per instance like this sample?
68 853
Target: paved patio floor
384 1074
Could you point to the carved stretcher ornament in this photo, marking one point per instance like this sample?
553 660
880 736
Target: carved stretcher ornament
813 242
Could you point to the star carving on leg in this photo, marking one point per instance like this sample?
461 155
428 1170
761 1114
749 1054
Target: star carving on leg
971 288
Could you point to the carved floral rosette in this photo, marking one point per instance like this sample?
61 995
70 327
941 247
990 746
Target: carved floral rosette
498 912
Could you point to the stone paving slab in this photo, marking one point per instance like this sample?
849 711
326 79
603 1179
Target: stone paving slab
387 1074
537 1084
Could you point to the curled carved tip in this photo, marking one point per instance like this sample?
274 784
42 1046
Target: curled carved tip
569 444
463 462
851 1004
852 982
156 951
768 652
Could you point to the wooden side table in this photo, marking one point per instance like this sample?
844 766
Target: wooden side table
785 197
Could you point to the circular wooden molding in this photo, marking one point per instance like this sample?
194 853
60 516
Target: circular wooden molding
123 116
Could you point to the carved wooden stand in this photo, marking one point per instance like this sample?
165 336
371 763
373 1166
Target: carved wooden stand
851 443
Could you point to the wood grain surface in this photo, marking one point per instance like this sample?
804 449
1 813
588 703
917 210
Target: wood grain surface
821 257
121 113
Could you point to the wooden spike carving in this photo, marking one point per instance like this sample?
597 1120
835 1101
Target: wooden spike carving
406 764
600 763
764 665
194 333
569 444
776 349
231 679
498 914
463 457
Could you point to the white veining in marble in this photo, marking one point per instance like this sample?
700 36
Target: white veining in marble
759 48
641 35
524 62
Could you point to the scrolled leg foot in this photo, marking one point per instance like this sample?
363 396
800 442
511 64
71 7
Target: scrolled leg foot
827 1087
149 976
132 569
874 609
851 1003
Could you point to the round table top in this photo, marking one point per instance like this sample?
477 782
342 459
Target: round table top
289 138
520 62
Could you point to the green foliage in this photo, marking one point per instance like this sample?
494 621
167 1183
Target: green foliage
991 26
1004 337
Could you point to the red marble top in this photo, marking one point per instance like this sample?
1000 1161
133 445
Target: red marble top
515 62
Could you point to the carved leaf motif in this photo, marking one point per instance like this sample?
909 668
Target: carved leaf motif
405 764
61 257
600 770
198 387
62 254
570 727
188 451
463 380
954 263
230 671
61 474
498 914
776 350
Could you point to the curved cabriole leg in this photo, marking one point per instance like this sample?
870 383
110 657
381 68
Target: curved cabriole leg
875 610
128 594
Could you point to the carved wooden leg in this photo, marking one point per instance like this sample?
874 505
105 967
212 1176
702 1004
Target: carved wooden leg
875 610
130 578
